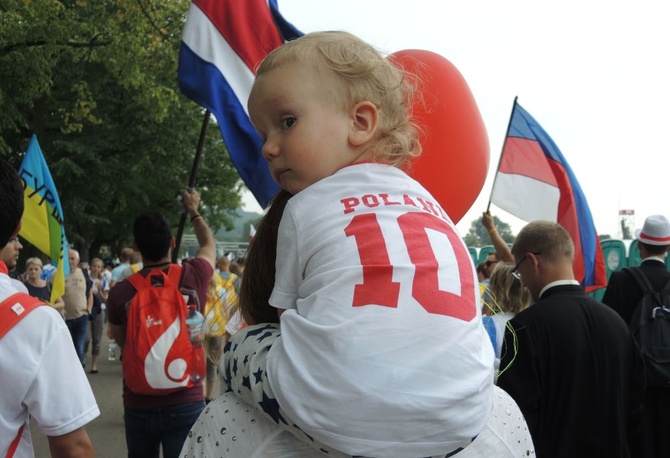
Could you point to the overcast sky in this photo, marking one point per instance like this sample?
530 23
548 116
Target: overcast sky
593 73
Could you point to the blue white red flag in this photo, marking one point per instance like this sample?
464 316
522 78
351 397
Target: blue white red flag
535 182
223 43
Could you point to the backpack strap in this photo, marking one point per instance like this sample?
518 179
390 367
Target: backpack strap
643 283
136 280
15 443
14 309
139 282
640 278
174 273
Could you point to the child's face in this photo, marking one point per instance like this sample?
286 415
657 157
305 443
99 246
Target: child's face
305 132
96 268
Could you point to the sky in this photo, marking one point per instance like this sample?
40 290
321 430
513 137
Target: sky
594 74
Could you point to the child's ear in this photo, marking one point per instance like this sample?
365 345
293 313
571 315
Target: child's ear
364 117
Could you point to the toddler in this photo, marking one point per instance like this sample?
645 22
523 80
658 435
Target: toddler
381 351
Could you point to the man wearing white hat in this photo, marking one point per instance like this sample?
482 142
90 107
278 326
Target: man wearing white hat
653 241
623 295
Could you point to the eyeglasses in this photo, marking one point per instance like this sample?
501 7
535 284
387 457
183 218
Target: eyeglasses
13 240
515 271
488 263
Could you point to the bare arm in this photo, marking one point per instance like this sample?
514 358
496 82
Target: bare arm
89 301
102 292
502 250
72 445
58 304
206 241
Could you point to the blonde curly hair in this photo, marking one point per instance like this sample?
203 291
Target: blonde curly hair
366 75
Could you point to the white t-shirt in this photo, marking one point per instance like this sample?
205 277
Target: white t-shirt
41 376
19 286
389 358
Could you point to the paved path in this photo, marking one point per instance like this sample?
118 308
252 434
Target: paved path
106 431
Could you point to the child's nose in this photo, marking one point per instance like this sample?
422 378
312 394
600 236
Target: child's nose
270 149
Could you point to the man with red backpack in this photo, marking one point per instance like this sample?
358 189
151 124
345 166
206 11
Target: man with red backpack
40 373
148 312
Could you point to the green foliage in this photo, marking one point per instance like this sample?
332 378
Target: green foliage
97 82
478 236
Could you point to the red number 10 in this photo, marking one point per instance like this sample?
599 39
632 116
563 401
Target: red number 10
378 286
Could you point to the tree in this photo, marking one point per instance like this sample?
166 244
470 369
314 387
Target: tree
96 81
478 236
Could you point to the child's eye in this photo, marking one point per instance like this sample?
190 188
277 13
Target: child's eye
287 123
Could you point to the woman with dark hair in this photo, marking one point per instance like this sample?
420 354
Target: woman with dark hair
259 275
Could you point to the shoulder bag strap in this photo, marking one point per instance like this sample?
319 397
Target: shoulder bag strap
14 309
15 443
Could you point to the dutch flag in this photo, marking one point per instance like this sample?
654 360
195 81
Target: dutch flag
223 43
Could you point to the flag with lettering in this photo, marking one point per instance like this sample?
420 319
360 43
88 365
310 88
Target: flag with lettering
223 43
535 182
42 223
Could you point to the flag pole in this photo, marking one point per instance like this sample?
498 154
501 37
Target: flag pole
509 124
191 182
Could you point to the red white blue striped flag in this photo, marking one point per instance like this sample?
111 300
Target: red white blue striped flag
535 182
223 43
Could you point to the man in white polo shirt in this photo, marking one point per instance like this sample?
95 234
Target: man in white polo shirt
41 374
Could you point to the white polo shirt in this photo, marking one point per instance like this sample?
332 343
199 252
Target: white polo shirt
41 376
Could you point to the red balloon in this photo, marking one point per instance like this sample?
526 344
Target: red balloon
455 157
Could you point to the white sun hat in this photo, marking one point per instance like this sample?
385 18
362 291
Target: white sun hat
656 231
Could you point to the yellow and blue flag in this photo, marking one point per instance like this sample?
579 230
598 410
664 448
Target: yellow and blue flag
42 224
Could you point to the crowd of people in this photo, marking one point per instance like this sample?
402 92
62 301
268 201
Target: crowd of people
359 326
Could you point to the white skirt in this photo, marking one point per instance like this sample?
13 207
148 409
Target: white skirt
229 427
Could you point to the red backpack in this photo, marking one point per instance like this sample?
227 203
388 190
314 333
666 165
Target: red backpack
158 357
12 310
